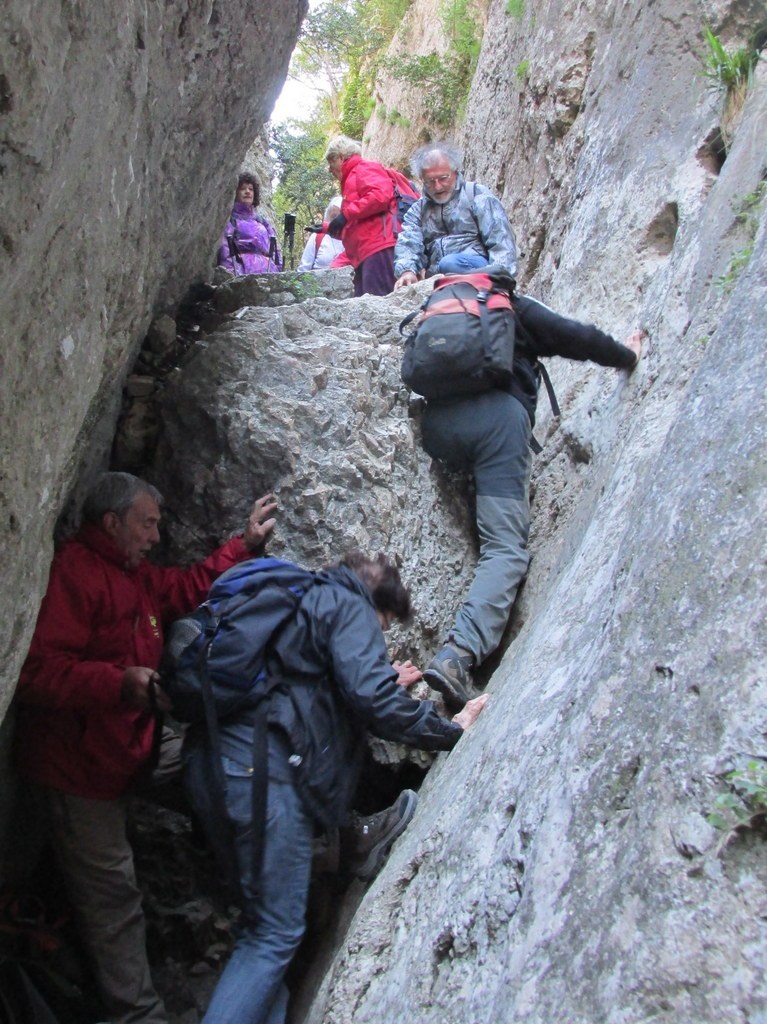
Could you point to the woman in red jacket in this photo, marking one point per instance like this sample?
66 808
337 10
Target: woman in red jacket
367 221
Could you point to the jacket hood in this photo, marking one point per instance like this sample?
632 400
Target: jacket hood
341 576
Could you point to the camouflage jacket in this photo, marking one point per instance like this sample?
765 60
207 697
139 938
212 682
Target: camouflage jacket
473 219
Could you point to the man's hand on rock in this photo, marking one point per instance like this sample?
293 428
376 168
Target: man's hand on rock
141 689
471 711
260 522
407 278
634 342
407 673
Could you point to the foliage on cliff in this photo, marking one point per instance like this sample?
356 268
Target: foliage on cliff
341 47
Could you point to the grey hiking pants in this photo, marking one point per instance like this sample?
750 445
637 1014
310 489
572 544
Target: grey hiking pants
488 435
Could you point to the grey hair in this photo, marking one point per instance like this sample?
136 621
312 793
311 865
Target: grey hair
430 154
115 492
334 204
342 146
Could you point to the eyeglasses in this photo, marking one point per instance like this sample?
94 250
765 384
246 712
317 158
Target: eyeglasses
440 179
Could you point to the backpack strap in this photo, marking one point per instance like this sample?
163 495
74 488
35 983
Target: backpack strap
231 241
549 390
260 746
274 252
535 444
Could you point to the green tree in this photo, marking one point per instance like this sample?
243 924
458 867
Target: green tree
443 82
340 49
304 184
341 46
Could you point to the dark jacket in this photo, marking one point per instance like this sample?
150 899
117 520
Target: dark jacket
542 332
339 683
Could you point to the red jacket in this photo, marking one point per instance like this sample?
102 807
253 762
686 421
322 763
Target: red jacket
98 618
368 205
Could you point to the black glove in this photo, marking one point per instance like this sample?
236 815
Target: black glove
316 228
336 226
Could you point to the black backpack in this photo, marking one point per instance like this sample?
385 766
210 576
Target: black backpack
463 342
216 664
405 194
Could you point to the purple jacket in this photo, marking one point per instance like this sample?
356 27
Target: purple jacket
245 244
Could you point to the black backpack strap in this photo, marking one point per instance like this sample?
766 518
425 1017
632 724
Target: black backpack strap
411 317
534 442
274 252
550 390
231 241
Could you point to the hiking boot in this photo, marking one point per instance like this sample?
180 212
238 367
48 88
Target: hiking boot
373 837
449 671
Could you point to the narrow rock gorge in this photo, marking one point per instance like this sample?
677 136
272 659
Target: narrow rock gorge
561 865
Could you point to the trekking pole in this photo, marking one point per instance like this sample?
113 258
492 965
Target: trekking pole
289 235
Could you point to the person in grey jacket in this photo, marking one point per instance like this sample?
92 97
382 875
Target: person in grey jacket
338 682
456 227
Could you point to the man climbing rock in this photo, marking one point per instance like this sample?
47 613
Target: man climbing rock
488 436
87 728
336 682
456 226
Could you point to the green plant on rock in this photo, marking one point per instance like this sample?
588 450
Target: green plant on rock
738 262
521 70
730 71
443 82
749 208
395 118
748 214
745 805
515 8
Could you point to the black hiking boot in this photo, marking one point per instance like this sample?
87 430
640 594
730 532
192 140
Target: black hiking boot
371 838
449 672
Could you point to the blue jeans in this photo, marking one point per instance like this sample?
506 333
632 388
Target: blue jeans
461 262
251 989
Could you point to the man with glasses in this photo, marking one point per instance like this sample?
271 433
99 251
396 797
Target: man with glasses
456 227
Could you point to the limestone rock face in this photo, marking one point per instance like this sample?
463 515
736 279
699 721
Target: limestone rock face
123 125
404 113
560 866
305 400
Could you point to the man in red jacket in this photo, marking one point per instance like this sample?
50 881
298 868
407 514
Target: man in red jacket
367 221
86 724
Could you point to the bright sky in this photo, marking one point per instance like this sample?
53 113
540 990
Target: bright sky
295 100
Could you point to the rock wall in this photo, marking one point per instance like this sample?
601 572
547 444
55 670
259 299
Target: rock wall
400 121
560 866
121 128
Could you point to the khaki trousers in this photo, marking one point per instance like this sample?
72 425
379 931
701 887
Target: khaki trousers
92 847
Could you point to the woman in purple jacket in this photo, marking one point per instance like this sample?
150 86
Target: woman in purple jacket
249 243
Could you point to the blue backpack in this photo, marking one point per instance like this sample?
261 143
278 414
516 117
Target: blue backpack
216 664
215 658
